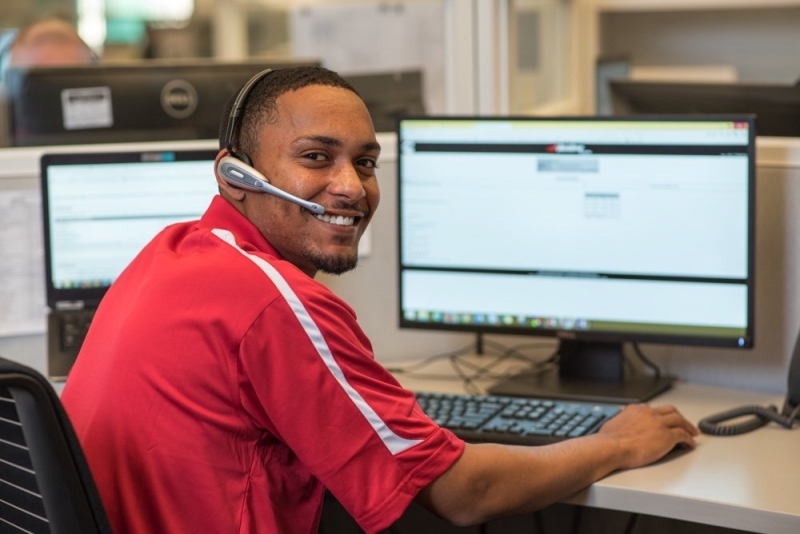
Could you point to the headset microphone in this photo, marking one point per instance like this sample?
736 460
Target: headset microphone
236 168
242 175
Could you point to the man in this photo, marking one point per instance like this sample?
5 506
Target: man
221 388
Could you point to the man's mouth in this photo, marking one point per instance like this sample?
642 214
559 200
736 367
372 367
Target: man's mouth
338 220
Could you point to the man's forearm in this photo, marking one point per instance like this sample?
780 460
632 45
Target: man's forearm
492 481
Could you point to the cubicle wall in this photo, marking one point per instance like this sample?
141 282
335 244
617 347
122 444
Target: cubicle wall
372 287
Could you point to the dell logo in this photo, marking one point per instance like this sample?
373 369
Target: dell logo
179 99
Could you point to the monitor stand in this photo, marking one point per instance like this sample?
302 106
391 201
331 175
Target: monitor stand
587 371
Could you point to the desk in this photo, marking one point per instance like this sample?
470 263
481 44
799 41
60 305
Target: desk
749 482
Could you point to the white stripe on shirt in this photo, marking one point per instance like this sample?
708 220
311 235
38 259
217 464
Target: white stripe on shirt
392 441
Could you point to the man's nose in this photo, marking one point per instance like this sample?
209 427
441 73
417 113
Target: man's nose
347 182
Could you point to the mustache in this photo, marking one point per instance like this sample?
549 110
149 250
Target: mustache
361 207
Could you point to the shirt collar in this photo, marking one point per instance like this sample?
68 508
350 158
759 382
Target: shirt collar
221 214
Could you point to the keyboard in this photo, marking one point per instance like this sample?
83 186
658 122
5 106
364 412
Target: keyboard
514 420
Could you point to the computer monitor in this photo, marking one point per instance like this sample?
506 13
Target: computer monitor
776 106
153 100
598 231
99 209
389 95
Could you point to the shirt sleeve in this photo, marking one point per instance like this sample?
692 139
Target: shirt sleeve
309 377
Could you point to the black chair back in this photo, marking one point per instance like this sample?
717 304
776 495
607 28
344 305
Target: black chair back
45 482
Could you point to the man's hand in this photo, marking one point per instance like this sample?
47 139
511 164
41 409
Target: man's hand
646 433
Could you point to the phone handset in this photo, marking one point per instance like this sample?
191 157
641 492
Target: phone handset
719 425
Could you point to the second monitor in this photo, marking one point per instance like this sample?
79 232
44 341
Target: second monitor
596 231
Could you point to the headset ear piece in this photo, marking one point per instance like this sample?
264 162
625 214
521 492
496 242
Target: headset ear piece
239 174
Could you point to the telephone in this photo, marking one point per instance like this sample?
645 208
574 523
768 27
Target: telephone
760 415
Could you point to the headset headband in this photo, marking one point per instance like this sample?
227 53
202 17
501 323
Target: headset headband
236 111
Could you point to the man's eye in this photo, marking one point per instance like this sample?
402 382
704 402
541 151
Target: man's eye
368 163
316 156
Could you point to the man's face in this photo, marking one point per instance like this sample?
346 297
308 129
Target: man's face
321 148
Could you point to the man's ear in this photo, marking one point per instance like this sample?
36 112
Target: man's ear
232 192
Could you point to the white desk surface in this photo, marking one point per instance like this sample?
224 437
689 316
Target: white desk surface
749 482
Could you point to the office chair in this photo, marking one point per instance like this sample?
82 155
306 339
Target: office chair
45 482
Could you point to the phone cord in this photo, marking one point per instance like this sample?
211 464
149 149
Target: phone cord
761 415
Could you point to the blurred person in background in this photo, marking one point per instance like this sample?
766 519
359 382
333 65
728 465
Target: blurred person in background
51 41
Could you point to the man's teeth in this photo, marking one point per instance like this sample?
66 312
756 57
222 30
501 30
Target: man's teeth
336 219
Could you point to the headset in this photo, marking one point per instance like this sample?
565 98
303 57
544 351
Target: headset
237 170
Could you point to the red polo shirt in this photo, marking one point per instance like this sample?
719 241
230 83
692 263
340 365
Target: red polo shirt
220 390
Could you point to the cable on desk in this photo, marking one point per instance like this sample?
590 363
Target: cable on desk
516 354
467 381
628 365
430 360
645 360
483 370
468 370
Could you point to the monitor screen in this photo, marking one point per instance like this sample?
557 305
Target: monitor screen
599 231
100 209
776 107
154 100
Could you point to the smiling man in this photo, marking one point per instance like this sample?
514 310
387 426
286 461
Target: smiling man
320 144
221 388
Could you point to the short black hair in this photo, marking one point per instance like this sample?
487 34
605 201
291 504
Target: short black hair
261 102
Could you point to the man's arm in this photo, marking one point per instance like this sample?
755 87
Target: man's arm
491 480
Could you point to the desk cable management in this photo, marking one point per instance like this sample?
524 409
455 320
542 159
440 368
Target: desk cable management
469 371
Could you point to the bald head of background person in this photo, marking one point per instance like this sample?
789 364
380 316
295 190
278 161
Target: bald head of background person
49 42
